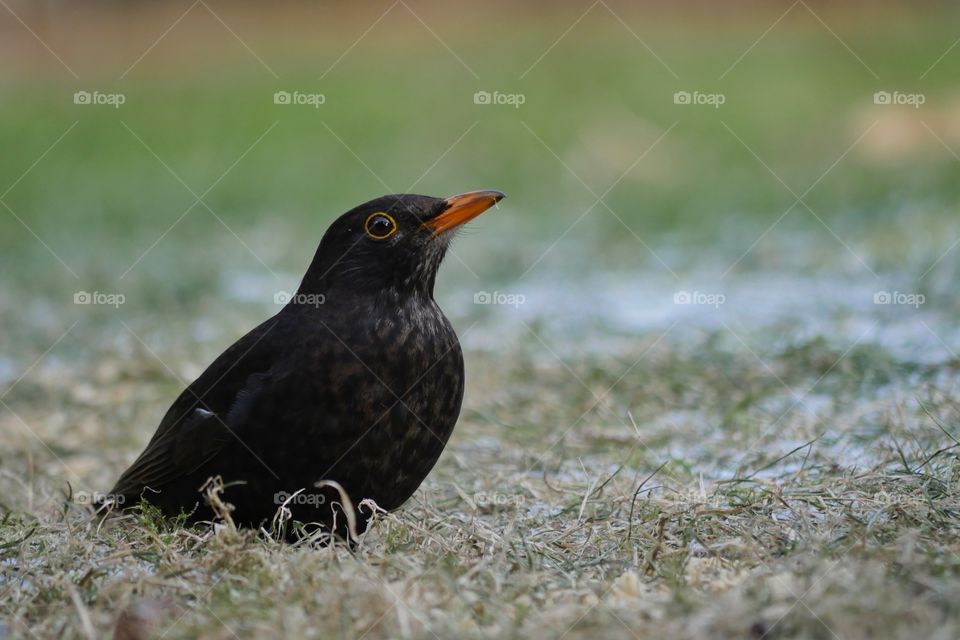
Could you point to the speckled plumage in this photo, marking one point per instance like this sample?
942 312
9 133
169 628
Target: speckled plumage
358 380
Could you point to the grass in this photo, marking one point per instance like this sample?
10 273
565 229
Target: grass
781 465
585 537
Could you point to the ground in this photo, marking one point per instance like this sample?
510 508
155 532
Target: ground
712 370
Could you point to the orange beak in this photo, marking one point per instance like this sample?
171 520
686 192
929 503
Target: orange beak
463 208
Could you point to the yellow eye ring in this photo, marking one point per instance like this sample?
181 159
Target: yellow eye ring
379 234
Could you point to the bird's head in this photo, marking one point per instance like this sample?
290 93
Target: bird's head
394 242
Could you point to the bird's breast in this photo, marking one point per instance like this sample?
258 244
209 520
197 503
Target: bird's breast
417 379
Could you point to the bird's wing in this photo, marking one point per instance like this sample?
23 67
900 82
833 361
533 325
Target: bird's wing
176 452
206 417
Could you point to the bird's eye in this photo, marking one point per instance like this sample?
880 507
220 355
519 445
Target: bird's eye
380 226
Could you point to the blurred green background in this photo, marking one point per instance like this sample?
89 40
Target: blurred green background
103 198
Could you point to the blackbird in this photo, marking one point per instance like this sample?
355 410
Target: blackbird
357 381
